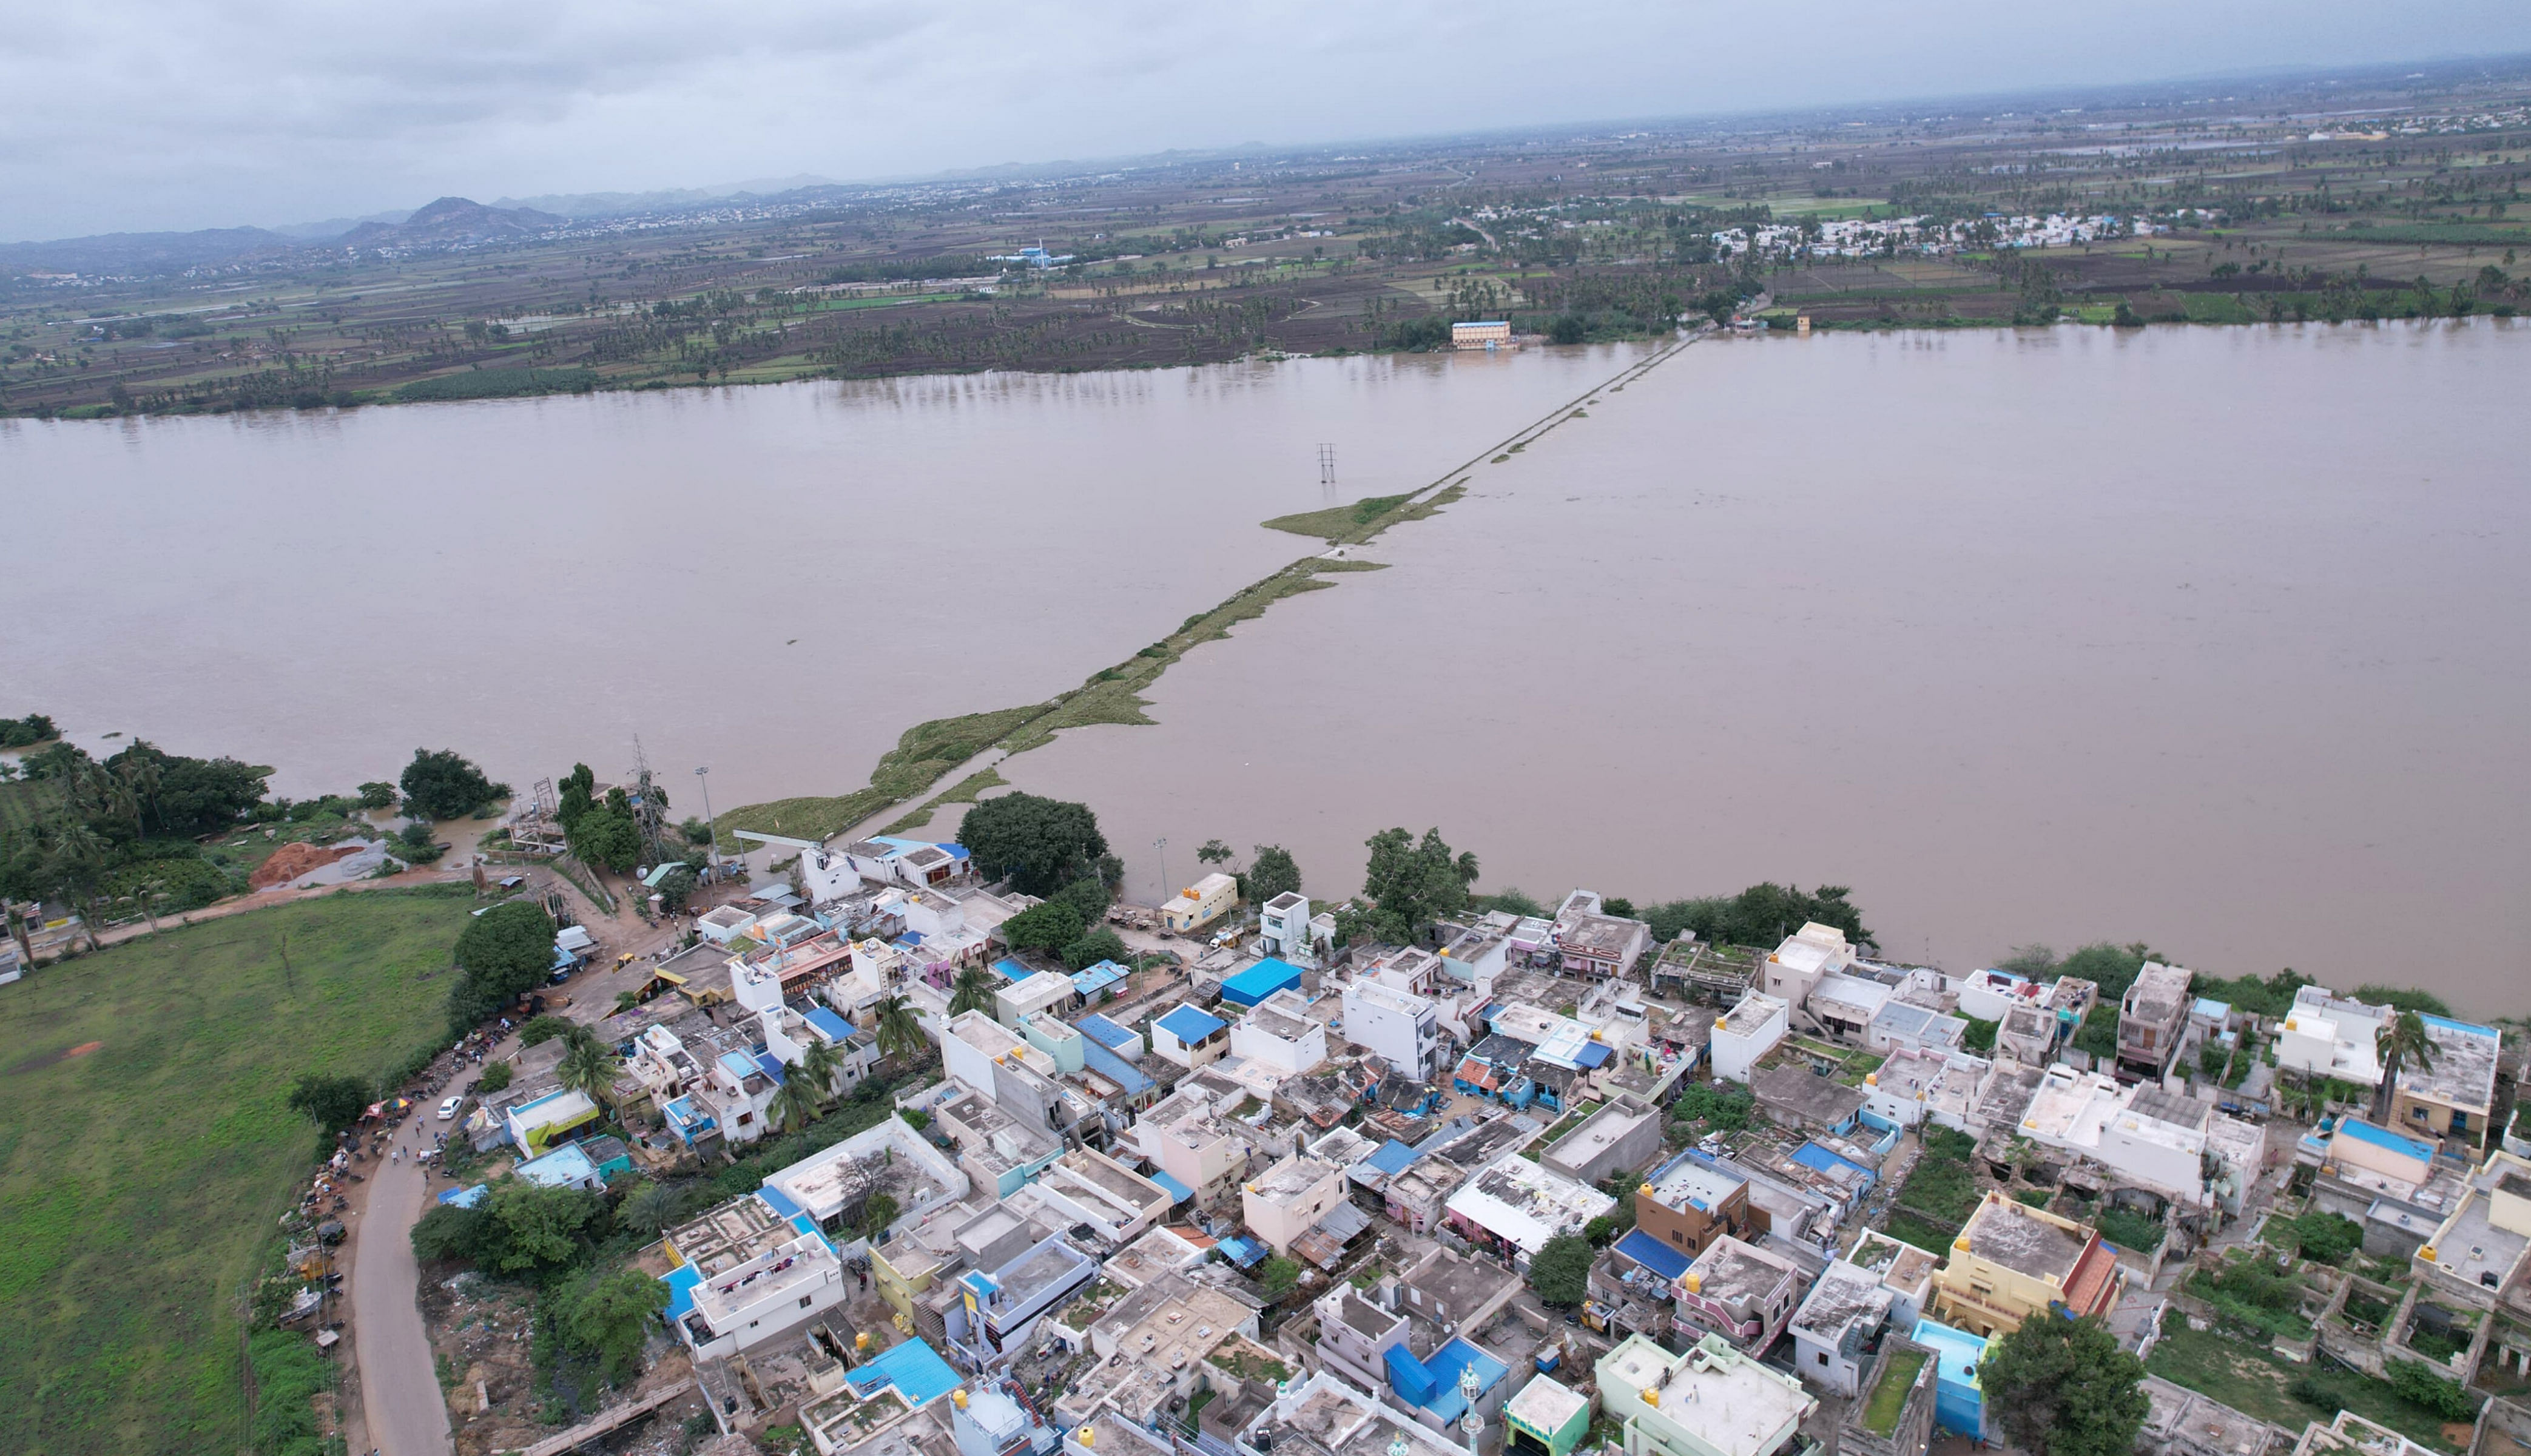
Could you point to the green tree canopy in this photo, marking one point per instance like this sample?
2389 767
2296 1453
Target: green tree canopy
333 1103
1040 843
182 797
440 784
1086 895
607 834
1273 872
1762 915
2065 1387
378 794
1561 1272
539 1230
1095 946
1048 926
611 1319
1412 883
506 949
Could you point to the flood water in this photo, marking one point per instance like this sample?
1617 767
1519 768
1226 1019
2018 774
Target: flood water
2214 639
776 582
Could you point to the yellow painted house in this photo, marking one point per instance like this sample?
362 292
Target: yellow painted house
2013 1261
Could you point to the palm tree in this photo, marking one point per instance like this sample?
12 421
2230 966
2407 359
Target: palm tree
899 1030
972 991
817 1066
587 1066
794 1105
2402 1041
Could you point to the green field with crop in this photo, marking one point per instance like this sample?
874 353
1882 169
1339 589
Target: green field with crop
142 1182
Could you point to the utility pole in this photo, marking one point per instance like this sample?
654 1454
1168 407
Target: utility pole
704 775
1161 845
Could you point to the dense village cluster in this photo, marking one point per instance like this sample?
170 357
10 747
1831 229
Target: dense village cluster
1300 1198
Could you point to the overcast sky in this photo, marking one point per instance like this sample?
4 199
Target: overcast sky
177 114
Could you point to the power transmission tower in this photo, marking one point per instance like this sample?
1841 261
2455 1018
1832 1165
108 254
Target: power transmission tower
1326 465
649 805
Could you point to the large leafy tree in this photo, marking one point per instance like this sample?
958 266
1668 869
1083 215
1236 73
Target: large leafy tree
1413 884
1762 915
607 834
181 798
2065 1387
1096 945
1048 926
440 784
612 1320
506 949
1273 872
1040 844
1561 1272
333 1103
538 1229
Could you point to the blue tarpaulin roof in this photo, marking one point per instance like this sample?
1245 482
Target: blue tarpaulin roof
1128 1078
1653 1255
1260 981
1446 1364
1100 1030
1592 1054
465 1198
771 1066
777 1201
1189 1024
1408 1377
914 1368
1178 1192
831 1026
1241 1252
1813 1156
681 1290
1392 1157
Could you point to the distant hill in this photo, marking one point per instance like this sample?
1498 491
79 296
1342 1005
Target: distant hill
617 205
451 220
139 252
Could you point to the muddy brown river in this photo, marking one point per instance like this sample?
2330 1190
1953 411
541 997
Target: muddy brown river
2217 639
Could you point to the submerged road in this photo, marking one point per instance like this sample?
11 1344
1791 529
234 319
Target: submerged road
400 1396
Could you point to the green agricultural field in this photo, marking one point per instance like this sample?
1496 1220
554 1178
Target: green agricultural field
140 1182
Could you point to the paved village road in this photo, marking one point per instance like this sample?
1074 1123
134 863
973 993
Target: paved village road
400 1394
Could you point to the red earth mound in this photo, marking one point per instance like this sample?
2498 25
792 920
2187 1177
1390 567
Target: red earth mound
292 860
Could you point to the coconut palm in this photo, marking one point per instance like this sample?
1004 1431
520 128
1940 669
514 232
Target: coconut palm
899 1030
2400 1042
817 1066
794 1105
588 1065
972 991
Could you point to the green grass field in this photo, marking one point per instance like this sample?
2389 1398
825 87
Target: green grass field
141 1183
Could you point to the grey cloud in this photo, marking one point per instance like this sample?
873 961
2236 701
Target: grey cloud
191 113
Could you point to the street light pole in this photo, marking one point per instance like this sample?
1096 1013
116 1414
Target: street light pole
704 774
1161 845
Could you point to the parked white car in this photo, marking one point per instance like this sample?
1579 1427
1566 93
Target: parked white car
448 1109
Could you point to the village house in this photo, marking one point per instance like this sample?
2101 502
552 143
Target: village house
1754 1026
1400 1028
1739 1291
1285 1201
2013 1261
1711 1401
1190 1037
1200 904
2152 1023
2326 1035
1690 1203
2454 1099
1278 1031
1514 1207
1616 1139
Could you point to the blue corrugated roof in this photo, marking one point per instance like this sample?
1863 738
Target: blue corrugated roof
1100 1030
1446 1363
771 1066
1392 1157
1241 1252
831 1026
1091 980
1260 981
1178 1192
777 1201
1652 1253
1592 1054
1114 1068
1189 1024
914 1368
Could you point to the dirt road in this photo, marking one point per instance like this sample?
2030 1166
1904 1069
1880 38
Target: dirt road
400 1397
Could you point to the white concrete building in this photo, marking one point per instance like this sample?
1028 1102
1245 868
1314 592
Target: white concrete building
1284 924
1400 1028
1085 1186
1189 1037
1279 1032
1516 1206
2328 1035
1802 960
763 1299
1046 990
1746 1032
